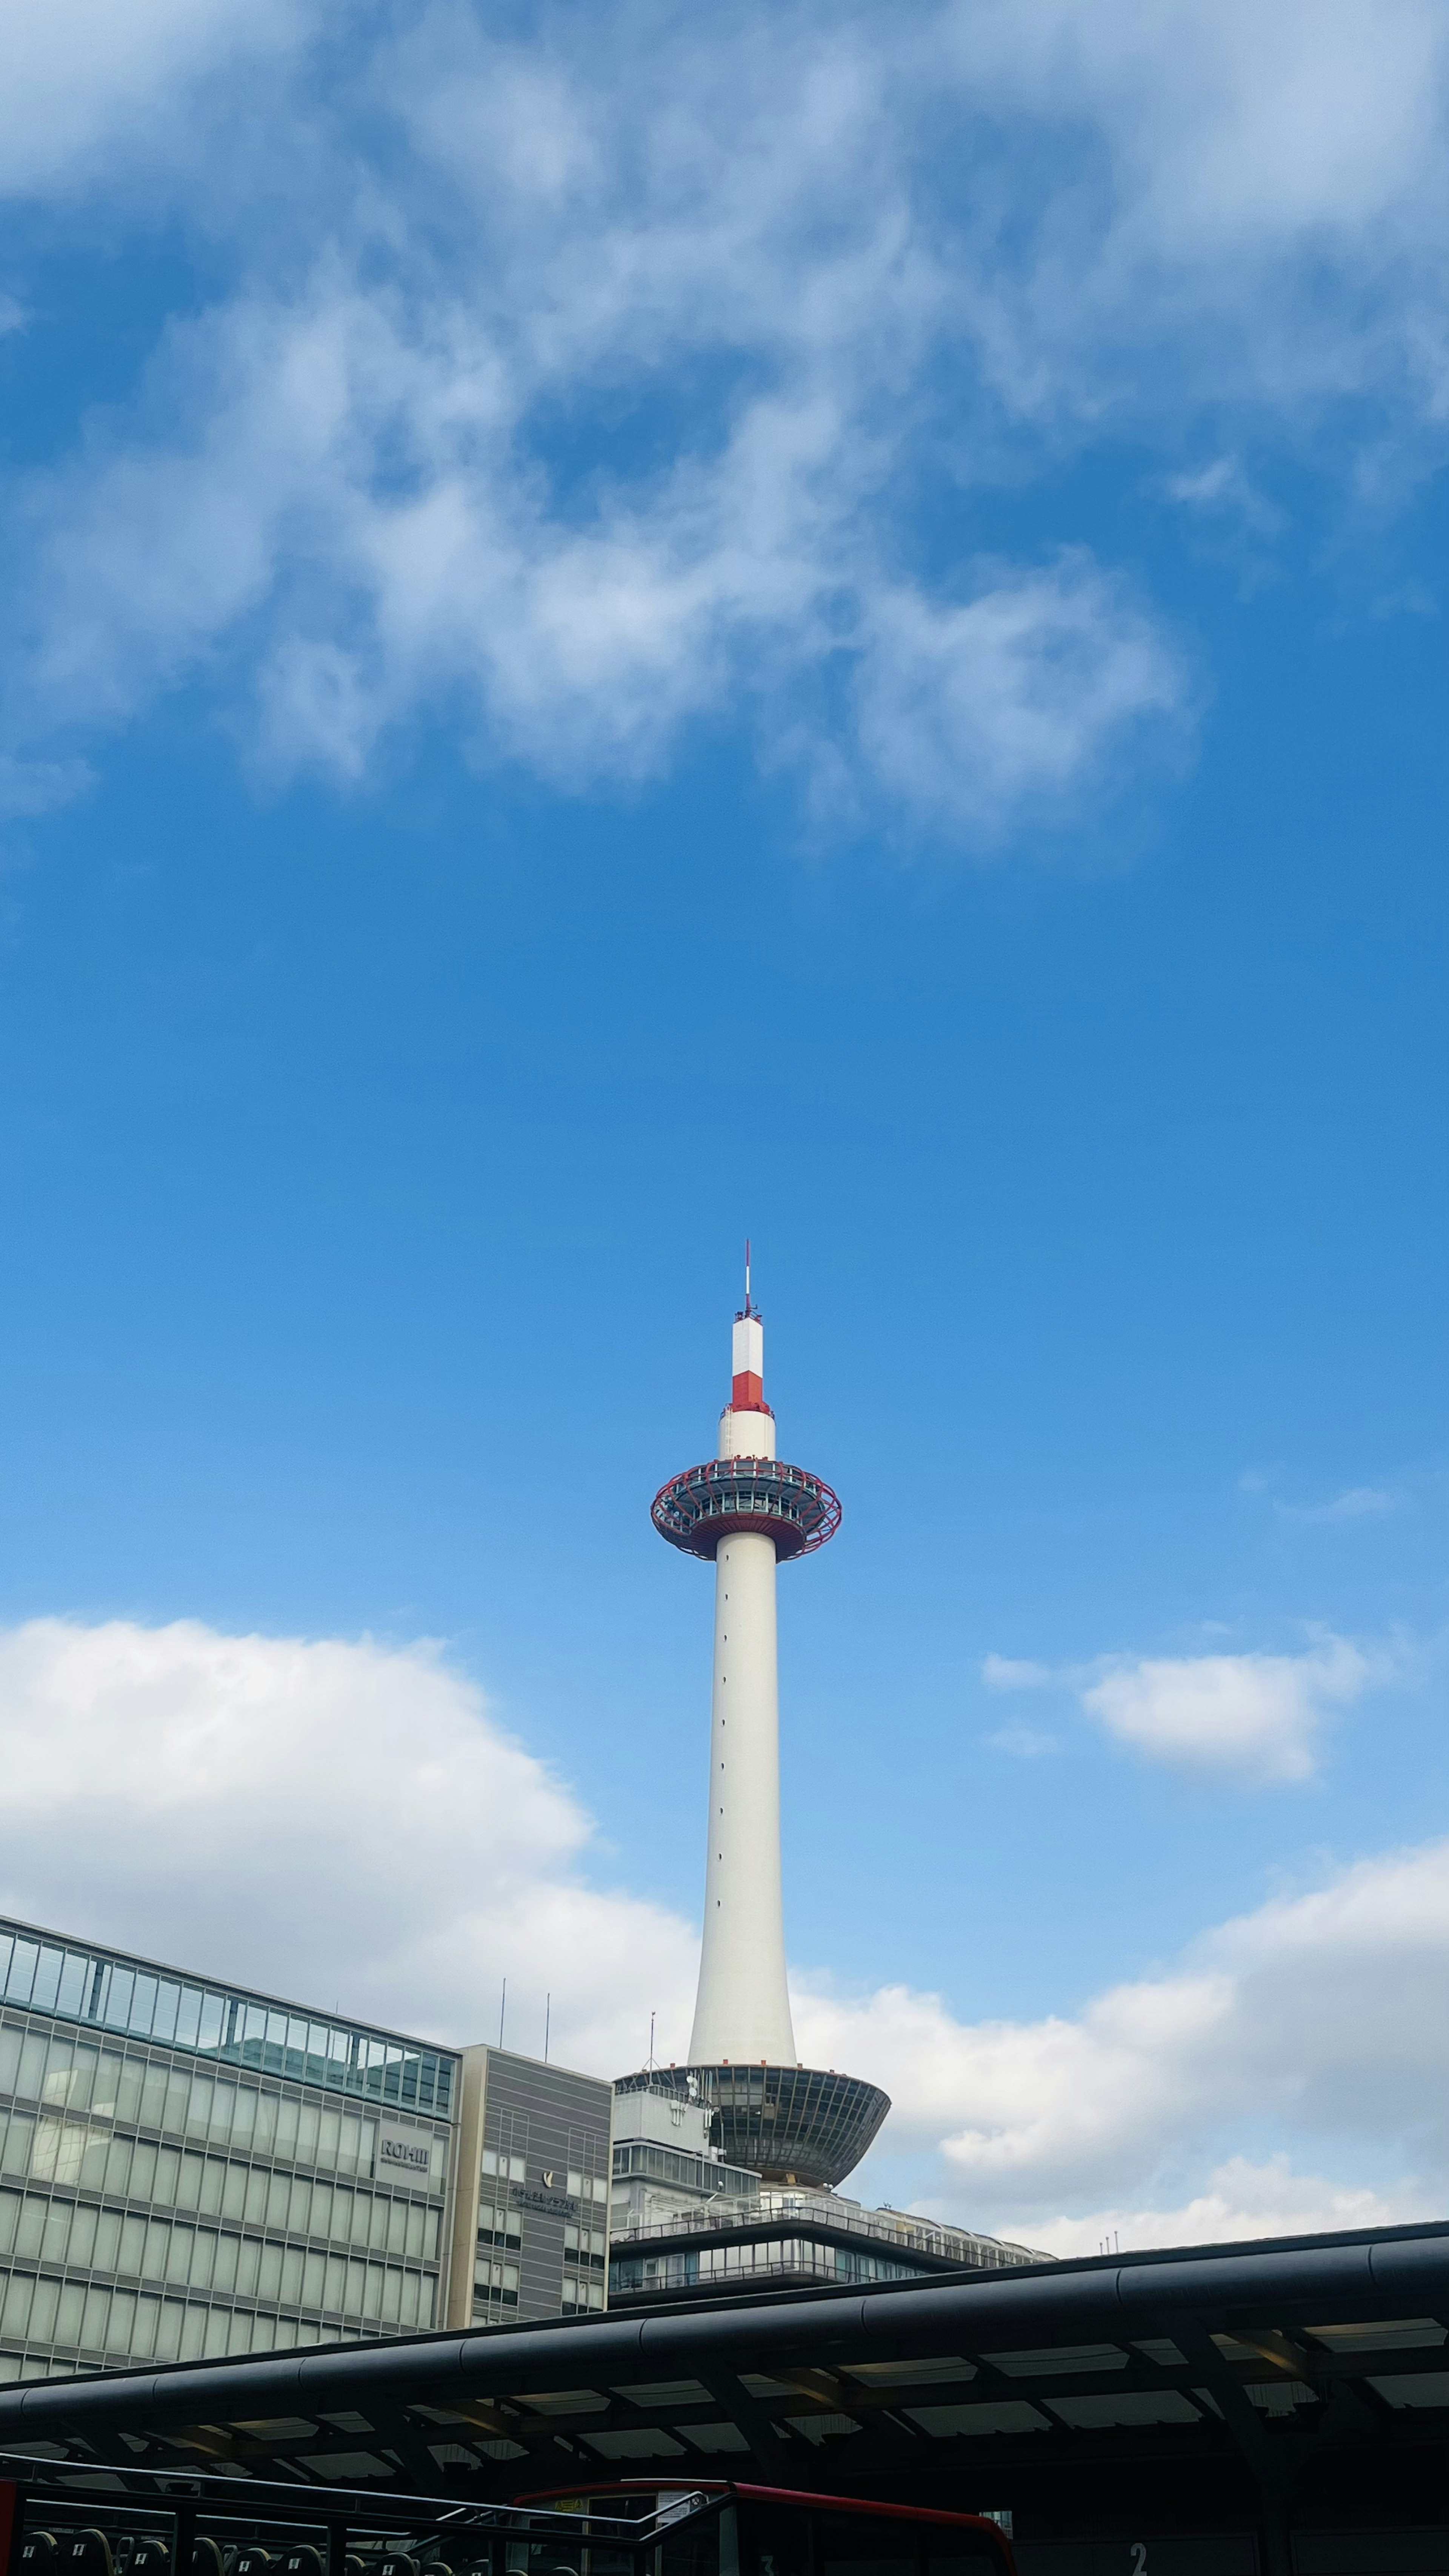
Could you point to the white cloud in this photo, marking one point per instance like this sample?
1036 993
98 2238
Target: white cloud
1358 1503
347 1820
1241 2199
1013 1673
1224 490
1325 2015
583 384
1234 128
1259 1717
348 1824
979 711
89 83
37 786
577 640
1028 1743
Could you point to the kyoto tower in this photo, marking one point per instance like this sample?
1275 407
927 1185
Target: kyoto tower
751 1513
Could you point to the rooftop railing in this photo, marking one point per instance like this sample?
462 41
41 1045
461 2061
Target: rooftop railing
104 1990
898 2228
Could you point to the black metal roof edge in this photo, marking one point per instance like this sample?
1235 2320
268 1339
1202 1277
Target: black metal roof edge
1051 2268
1030 2303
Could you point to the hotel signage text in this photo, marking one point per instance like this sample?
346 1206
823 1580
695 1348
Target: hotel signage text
544 2204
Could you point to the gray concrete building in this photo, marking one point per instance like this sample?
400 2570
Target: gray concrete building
531 2201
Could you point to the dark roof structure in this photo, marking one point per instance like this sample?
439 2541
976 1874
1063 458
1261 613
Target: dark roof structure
1259 2394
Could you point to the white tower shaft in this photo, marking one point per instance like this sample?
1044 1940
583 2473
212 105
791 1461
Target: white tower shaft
743 2009
742 2013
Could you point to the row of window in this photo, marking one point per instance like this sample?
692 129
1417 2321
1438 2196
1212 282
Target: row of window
77 2236
507 2168
76 2077
587 2245
582 2294
490 2277
689 2172
497 2225
173 2178
205 2258
129 1995
132 2326
582 2186
793 2255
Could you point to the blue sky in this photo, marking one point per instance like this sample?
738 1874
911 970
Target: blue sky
618 636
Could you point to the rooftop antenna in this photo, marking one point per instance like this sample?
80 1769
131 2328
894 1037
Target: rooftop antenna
651 2038
747 1275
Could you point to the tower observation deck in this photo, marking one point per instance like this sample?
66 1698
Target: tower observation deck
750 1512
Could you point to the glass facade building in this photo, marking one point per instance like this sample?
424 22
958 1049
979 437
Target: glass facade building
188 2169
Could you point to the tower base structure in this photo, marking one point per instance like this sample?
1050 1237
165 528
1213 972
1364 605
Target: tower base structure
788 2124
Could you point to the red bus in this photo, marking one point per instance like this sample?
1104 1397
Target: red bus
719 2527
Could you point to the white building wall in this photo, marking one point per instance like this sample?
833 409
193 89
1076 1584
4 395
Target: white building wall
662 2120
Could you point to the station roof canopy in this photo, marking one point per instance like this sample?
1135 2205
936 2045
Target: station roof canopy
1259 2350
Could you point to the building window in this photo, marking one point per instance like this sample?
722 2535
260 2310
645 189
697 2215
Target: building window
581 2294
495 2286
586 2248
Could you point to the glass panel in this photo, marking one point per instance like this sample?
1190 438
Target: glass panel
22 1975
692 2549
47 1978
74 1982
